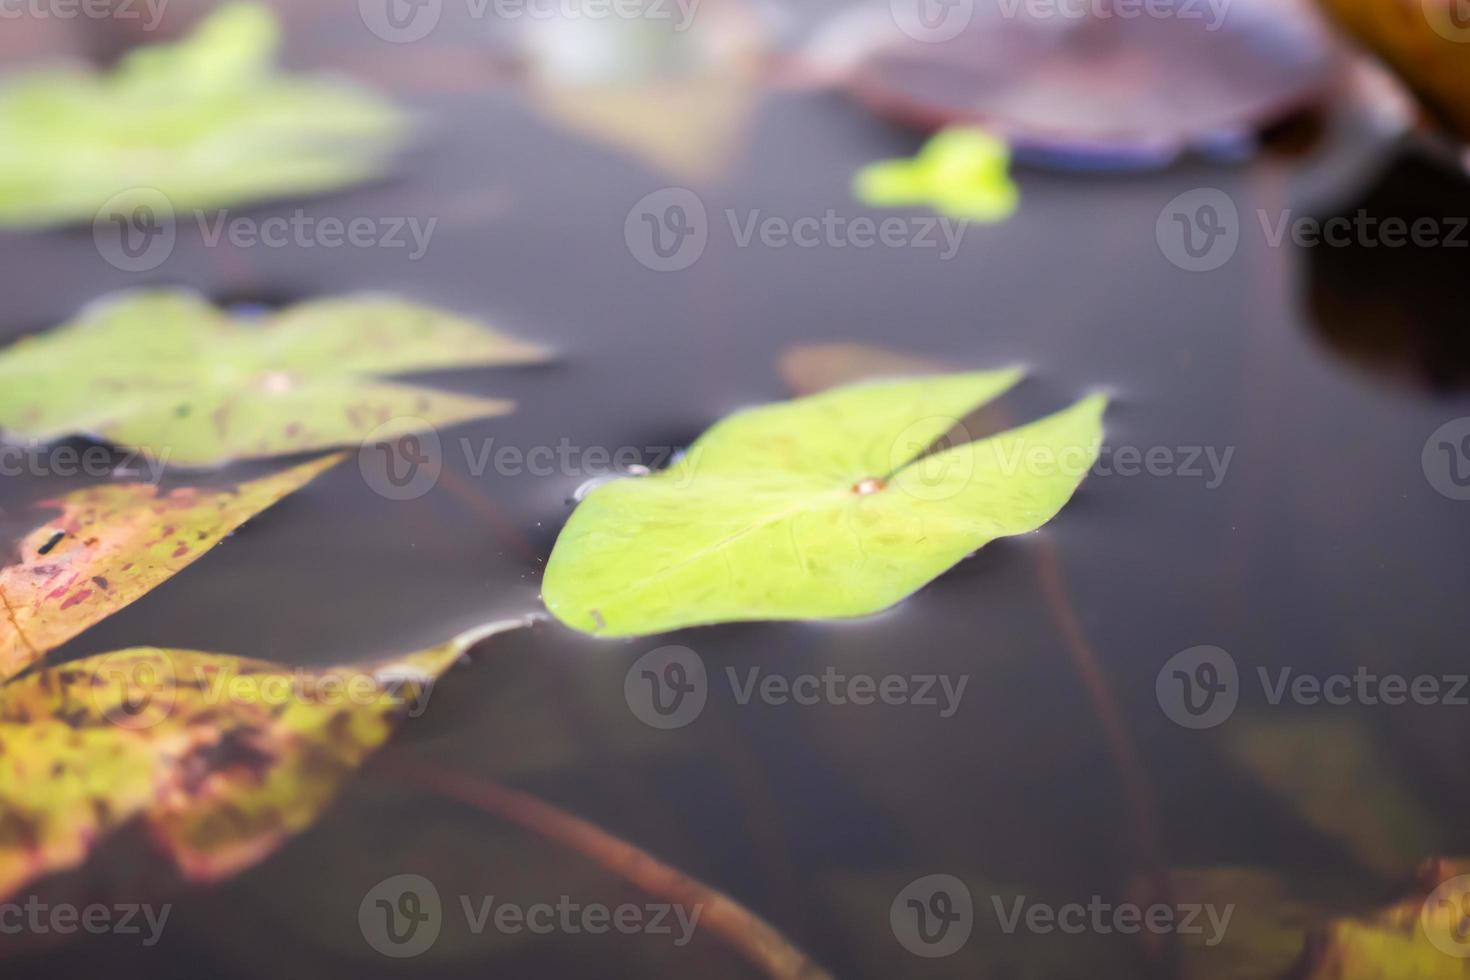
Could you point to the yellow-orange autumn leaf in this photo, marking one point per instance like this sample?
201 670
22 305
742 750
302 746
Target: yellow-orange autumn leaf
222 758
110 545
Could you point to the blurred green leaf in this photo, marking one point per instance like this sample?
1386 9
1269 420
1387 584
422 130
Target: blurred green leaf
208 122
1334 776
170 374
962 172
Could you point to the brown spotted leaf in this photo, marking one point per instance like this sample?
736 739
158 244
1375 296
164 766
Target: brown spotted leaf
169 373
221 758
108 546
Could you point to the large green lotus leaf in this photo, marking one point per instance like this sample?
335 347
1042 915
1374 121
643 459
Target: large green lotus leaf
822 507
207 121
170 374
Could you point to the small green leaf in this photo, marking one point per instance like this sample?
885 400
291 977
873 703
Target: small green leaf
823 507
962 172
207 122
168 373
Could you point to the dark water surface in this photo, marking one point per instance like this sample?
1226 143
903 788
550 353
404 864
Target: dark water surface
1323 547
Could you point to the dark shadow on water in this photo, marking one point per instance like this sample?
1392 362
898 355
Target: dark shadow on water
1400 311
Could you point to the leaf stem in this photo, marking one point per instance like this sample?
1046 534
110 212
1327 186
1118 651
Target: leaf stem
1136 786
740 928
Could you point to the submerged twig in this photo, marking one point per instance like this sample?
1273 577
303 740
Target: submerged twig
1136 786
740 928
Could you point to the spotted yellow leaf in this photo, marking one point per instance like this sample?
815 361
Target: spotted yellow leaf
169 373
221 758
109 545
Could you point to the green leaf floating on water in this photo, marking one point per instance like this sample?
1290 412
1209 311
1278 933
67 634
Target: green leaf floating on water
962 172
207 121
170 374
816 508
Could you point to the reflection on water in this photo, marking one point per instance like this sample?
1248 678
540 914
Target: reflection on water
1323 548
1394 299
